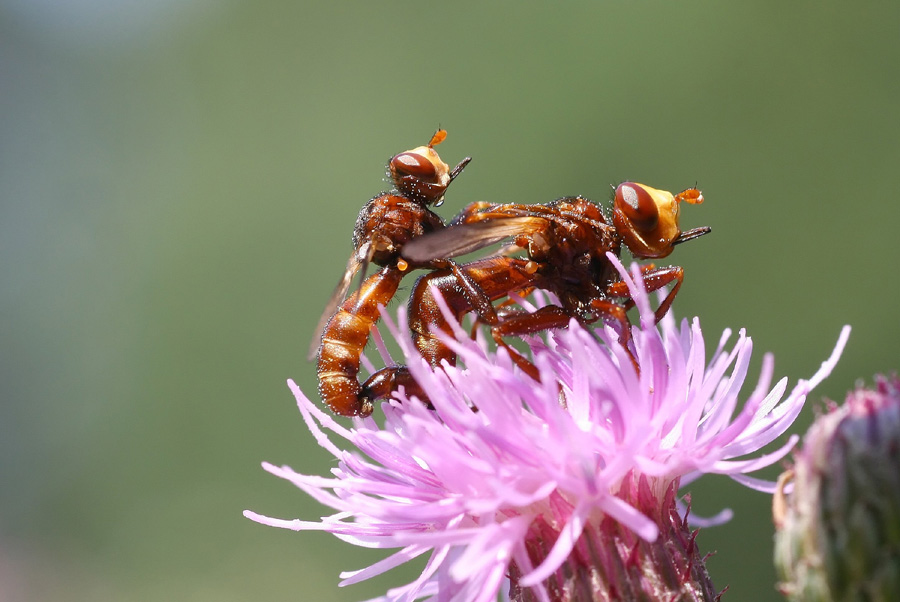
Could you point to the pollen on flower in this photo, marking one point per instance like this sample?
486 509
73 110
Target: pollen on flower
556 489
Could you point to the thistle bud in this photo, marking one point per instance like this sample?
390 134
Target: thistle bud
838 530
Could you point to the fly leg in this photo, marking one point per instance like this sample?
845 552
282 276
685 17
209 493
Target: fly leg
504 310
617 312
485 312
469 288
519 324
654 279
387 380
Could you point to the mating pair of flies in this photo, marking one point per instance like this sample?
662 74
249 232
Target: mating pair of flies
560 247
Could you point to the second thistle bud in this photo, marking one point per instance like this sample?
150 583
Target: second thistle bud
838 531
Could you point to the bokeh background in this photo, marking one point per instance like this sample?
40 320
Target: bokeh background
178 184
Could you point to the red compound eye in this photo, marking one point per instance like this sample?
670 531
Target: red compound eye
413 164
636 203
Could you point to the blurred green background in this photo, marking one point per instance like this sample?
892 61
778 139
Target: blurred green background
179 180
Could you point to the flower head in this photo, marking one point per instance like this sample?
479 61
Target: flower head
554 486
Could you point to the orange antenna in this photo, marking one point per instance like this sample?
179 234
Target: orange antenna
438 137
691 195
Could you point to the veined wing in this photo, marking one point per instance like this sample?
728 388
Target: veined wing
359 259
465 238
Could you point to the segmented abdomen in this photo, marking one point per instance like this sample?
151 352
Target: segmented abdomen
344 339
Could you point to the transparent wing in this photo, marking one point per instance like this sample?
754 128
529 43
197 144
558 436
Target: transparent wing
465 238
359 259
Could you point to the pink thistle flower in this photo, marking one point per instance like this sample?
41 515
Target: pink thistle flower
559 490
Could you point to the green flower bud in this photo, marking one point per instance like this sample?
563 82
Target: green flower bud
838 530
